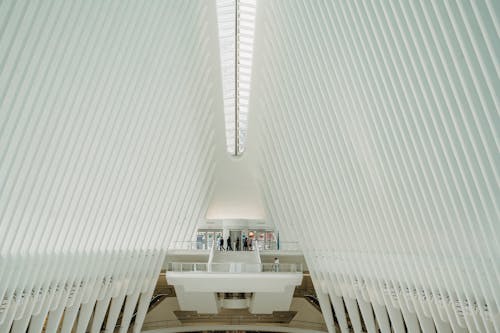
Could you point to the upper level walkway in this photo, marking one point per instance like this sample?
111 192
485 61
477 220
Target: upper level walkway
200 276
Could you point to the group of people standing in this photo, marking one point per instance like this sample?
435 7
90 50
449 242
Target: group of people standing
247 244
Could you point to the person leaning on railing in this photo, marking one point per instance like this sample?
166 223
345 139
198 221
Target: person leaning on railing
276 265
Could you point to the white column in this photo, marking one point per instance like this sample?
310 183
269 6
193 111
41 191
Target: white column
456 328
382 318
326 309
338 306
496 322
396 319
21 325
142 310
55 318
352 309
411 321
36 322
367 313
9 318
83 320
69 318
128 312
99 314
427 324
114 312
442 326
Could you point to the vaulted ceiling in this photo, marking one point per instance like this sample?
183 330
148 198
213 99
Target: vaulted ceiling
372 140
378 150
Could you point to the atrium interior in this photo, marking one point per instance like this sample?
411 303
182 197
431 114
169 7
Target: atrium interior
296 166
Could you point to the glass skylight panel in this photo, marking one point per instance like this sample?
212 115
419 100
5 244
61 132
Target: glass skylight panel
236 22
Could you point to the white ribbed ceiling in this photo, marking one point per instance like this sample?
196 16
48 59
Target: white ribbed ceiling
373 131
106 150
378 145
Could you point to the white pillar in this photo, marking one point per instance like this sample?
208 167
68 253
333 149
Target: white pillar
442 326
99 313
338 306
114 312
142 310
55 318
69 318
411 321
324 302
352 309
367 313
396 319
9 318
496 322
21 325
36 323
84 317
427 324
128 312
382 318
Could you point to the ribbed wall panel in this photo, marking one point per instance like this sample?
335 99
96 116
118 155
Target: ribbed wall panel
106 147
377 127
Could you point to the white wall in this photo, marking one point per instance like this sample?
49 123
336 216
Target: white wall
378 145
107 147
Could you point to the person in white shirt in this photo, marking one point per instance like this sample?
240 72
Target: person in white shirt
276 265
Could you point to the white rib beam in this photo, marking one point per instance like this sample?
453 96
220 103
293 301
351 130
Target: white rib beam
377 140
106 148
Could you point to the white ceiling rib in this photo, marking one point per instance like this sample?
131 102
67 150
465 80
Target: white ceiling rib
378 148
106 150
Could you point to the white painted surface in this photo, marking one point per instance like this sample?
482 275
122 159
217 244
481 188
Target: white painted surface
107 118
267 302
262 328
373 140
239 282
197 291
376 133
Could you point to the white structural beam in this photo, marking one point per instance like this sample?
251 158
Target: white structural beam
375 126
373 133
106 150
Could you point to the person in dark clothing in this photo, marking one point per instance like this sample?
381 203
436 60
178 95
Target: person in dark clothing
221 244
229 247
245 244
237 244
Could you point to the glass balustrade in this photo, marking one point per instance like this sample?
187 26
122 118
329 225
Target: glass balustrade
234 267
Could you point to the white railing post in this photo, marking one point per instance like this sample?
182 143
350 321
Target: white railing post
211 257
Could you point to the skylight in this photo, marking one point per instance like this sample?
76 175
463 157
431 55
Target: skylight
236 21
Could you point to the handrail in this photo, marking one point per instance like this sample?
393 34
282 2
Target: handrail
284 246
233 267
189 245
265 246
236 320
257 251
211 257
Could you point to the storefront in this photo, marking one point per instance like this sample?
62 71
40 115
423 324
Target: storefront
266 239
206 237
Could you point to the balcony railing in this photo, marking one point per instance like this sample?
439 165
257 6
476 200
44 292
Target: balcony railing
275 246
196 246
235 320
234 267
263 246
